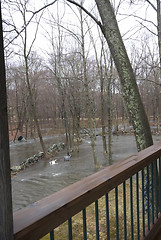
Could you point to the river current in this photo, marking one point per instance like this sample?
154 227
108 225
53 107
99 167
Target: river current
48 176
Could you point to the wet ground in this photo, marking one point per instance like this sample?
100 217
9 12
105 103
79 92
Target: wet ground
49 176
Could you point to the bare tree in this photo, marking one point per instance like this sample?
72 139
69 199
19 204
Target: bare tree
22 8
102 80
130 90
86 85
56 67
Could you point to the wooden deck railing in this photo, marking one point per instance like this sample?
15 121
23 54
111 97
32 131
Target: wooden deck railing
40 218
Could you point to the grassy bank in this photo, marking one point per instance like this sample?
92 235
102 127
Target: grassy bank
61 233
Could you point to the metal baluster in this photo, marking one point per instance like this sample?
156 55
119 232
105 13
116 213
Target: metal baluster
156 189
152 191
160 185
143 205
124 201
117 214
97 220
107 217
131 206
52 235
70 229
137 201
84 225
148 199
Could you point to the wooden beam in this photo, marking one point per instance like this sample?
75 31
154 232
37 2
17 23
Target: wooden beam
6 216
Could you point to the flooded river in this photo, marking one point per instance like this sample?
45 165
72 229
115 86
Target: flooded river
49 176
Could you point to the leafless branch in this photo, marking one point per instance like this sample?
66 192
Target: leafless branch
147 28
85 10
151 5
34 13
148 80
143 19
38 22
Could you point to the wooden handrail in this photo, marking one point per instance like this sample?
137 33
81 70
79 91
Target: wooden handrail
39 218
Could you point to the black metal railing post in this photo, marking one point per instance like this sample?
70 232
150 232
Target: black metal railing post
84 225
107 217
70 229
97 219
137 206
117 213
52 235
124 203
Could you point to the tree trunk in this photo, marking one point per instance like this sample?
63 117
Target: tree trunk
26 59
66 127
109 93
159 45
159 33
130 90
103 117
100 73
86 86
33 108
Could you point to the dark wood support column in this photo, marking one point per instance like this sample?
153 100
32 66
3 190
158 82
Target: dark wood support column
6 216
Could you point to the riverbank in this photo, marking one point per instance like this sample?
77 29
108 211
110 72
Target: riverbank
55 148
52 150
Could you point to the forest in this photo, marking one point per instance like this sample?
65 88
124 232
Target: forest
62 77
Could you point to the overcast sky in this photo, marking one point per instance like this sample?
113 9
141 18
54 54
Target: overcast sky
130 19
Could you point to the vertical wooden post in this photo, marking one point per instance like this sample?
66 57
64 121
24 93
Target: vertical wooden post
6 216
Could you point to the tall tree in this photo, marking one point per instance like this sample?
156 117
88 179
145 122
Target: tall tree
87 94
56 67
130 90
144 22
102 88
22 7
158 10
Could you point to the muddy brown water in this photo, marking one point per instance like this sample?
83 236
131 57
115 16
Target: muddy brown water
49 176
